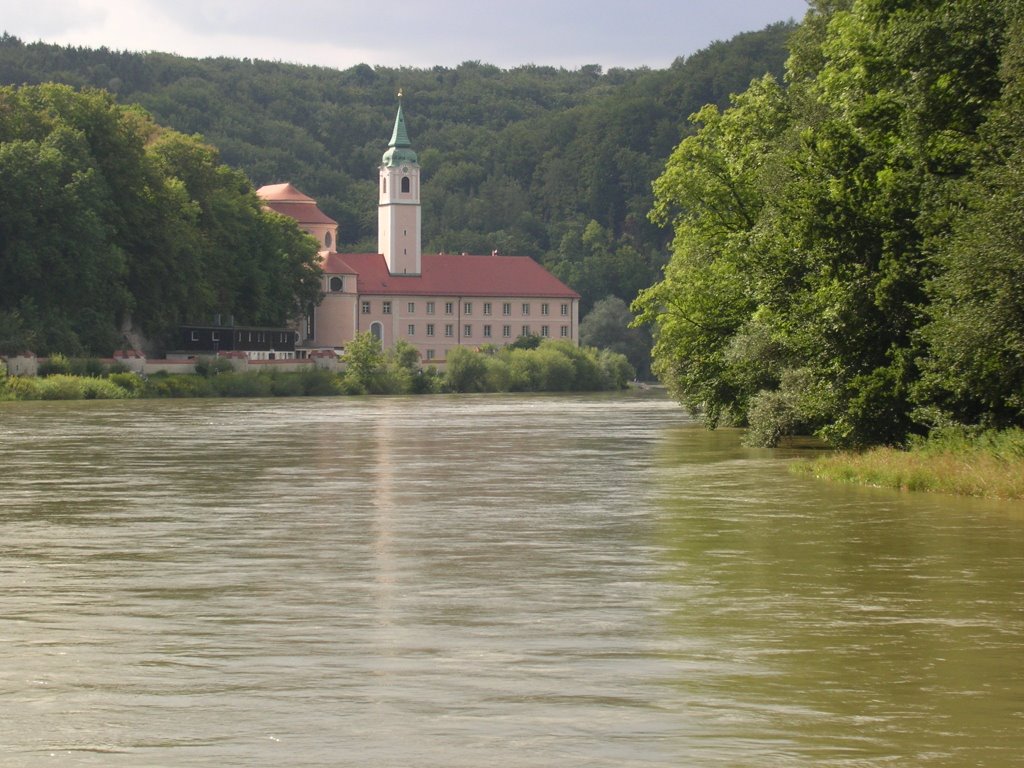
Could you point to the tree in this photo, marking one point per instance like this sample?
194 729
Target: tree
609 326
108 221
364 361
806 220
974 370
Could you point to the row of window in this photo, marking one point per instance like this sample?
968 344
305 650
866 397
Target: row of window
261 336
467 308
467 331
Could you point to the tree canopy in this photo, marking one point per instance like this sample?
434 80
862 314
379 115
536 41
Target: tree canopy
846 249
110 224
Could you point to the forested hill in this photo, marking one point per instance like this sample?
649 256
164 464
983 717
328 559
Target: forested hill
547 162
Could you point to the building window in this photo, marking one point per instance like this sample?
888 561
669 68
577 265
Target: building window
449 307
467 307
430 354
506 331
411 307
565 331
215 336
377 330
565 310
526 330
385 308
239 338
467 331
487 331
327 239
487 307
337 284
544 331
506 308
365 308
195 335
430 329
411 329
430 307
543 309
384 185
449 330
405 183
526 309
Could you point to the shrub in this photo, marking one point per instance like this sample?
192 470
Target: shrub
241 385
102 389
212 366
130 382
55 364
21 388
86 366
317 382
466 370
60 386
792 409
616 371
178 385
555 369
283 384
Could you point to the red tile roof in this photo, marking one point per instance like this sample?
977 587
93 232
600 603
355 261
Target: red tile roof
303 213
452 275
288 201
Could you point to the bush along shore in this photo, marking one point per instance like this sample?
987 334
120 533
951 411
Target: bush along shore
548 367
959 461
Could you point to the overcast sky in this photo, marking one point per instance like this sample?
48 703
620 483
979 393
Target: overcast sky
420 33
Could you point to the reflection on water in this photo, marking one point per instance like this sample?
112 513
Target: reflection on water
524 581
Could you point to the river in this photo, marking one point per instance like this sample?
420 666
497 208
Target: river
476 581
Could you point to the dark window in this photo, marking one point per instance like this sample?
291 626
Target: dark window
337 283
405 183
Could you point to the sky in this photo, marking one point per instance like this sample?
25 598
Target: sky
414 33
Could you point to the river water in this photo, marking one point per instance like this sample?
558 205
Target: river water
485 581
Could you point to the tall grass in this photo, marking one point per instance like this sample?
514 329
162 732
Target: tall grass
986 464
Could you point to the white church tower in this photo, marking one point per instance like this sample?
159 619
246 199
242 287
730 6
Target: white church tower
398 211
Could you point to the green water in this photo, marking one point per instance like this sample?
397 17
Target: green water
464 581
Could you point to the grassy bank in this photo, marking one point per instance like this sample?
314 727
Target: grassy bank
987 464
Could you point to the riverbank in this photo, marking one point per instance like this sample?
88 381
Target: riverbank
553 366
988 464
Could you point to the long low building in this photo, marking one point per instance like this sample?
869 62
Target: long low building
433 301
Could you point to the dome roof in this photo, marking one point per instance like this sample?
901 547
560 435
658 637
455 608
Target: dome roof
282 193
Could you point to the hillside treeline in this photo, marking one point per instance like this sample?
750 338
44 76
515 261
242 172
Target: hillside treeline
535 160
848 252
112 226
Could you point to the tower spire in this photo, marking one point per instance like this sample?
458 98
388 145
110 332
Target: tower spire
398 209
399 148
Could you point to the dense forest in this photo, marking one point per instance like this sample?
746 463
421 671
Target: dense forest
111 227
538 161
848 253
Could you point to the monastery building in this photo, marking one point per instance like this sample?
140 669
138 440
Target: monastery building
434 302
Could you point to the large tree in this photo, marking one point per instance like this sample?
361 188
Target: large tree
803 220
109 221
